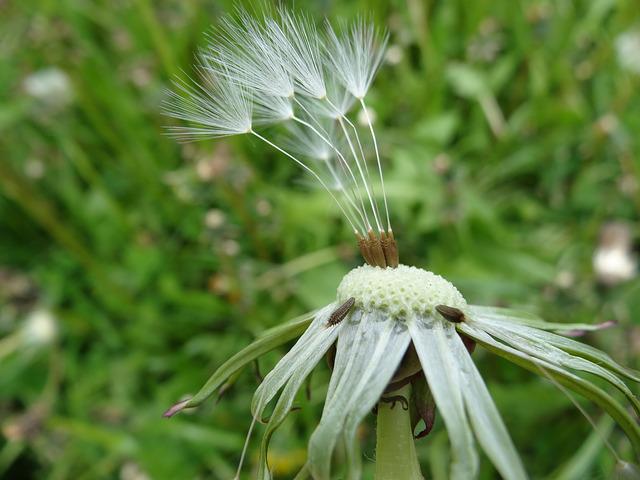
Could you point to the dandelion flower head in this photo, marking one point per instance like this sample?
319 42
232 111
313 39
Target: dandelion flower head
391 326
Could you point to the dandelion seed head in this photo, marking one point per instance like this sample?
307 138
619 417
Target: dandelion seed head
399 291
280 69
275 69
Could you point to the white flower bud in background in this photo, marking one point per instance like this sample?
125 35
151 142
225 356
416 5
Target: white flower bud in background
565 279
34 168
362 116
40 328
230 248
628 50
50 86
394 54
613 260
133 471
607 124
214 218
628 184
263 207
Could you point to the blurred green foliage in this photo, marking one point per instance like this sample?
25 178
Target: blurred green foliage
509 131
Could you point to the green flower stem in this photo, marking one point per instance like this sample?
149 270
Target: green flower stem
396 457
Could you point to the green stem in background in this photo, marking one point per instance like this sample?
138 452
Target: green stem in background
396 457
160 40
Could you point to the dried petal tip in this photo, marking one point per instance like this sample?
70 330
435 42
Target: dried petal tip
599 326
176 408
452 314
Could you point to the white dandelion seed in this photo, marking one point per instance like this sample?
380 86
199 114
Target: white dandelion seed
295 38
305 142
258 72
242 49
270 109
355 53
217 108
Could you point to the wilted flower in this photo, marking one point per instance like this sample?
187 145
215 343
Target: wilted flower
394 333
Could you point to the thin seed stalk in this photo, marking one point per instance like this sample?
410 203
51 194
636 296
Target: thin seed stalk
396 457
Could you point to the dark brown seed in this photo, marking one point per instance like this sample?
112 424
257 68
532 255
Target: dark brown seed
375 247
452 314
389 248
364 249
339 313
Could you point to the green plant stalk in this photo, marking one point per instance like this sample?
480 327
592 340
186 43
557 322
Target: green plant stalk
396 457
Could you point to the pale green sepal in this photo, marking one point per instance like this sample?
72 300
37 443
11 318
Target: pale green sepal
529 319
353 458
313 343
370 389
431 337
526 339
485 418
562 376
302 365
569 345
369 350
303 474
266 342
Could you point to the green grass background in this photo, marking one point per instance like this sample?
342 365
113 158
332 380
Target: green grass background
509 133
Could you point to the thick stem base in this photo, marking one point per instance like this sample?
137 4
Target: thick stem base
396 457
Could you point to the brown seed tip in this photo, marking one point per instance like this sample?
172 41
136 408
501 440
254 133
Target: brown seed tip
452 314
